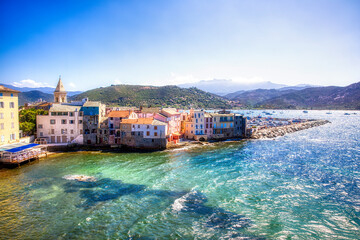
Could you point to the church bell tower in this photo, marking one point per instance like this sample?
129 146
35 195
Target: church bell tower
60 93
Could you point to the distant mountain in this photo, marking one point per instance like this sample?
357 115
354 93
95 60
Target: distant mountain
48 90
317 98
167 96
253 97
223 86
33 96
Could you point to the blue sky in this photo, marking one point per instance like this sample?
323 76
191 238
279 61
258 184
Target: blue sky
99 43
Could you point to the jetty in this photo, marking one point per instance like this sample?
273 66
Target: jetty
273 132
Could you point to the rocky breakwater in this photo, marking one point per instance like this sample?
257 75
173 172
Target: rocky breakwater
281 131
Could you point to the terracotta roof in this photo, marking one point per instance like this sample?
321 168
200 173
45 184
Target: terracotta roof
170 111
5 89
143 121
119 114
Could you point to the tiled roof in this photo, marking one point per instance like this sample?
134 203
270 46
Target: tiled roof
119 114
64 108
170 111
146 121
92 104
5 89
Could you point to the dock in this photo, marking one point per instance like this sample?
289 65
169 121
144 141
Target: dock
18 153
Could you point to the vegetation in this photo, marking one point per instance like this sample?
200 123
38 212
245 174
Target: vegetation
167 96
33 96
27 119
309 98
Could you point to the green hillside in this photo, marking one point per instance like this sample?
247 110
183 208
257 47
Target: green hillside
317 98
33 96
167 96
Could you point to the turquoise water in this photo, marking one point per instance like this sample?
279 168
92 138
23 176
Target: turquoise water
305 185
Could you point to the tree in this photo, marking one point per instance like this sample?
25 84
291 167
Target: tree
27 119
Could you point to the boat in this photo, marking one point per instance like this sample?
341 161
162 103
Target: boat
328 113
305 111
346 113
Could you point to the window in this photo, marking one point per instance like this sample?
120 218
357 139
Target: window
12 125
63 131
80 121
40 126
147 126
1 115
224 125
41 134
71 114
72 131
196 132
1 126
11 104
196 121
111 125
1 104
147 133
1 95
52 131
2 138
138 126
71 121
52 121
12 115
133 133
12 95
201 126
53 113
81 131
214 125
155 134
231 124
155 127
12 136
207 125
63 121
196 126
81 113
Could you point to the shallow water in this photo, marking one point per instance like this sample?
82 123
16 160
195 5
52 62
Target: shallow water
305 185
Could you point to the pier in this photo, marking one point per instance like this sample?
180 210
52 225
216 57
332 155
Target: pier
21 152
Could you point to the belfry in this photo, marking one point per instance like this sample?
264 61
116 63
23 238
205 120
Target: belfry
60 93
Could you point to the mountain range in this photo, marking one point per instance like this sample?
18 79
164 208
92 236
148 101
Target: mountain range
289 97
223 87
309 98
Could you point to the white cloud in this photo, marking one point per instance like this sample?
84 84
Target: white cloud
117 81
30 84
176 79
72 85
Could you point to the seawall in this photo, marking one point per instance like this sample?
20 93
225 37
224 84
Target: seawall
281 131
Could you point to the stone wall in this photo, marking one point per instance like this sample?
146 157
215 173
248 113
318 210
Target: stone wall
281 131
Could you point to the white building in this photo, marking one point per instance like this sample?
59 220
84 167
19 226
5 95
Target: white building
63 124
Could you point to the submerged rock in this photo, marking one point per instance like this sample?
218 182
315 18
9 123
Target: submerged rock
81 178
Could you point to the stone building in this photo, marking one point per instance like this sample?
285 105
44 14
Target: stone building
94 112
60 95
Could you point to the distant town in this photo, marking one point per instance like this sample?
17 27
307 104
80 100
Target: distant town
92 123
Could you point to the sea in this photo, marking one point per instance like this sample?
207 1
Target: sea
304 185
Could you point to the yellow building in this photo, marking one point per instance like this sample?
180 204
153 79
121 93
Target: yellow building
9 115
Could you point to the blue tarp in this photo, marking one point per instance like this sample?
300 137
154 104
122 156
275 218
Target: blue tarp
18 149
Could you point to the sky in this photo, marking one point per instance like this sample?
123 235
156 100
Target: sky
94 43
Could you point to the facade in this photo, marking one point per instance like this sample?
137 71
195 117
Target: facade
94 113
173 120
195 125
9 115
239 126
209 125
60 95
143 133
103 132
114 120
223 125
63 124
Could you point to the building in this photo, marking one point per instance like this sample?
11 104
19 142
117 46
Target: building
173 119
60 95
208 125
63 124
94 114
114 120
195 125
143 133
223 126
239 126
9 115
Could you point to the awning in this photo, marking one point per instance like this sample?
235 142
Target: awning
16 148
